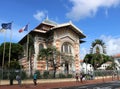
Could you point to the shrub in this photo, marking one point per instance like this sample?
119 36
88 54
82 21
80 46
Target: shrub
23 75
62 75
38 74
46 74
69 76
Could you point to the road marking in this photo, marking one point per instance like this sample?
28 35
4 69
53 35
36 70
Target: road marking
108 87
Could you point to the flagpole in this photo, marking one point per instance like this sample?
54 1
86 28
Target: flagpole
4 50
25 28
27 45
10 49
28 51
3 53
5 26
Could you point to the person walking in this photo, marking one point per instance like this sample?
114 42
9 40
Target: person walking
76 76
18 78
81 77
35 79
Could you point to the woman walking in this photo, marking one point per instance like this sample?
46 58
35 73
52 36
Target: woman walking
35 79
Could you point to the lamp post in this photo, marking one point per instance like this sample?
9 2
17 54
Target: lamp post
86 65
86 68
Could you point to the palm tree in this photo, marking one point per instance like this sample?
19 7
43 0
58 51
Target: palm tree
51 55
97 59
30 51
45 54
55 60
100 42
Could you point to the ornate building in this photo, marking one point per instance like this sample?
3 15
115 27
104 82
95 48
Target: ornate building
65 37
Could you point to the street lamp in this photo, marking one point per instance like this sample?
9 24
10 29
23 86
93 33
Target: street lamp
86 64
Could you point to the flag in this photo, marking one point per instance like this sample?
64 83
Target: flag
25 28
6 25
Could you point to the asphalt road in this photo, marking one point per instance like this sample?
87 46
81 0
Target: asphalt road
109 85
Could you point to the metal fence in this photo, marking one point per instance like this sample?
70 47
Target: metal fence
11 74
26 74
107 74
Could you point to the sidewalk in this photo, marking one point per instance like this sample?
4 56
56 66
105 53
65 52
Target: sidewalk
56 83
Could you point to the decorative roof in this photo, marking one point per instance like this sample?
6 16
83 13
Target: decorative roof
109 62
42 31
53 25
117 56
69 24
49 22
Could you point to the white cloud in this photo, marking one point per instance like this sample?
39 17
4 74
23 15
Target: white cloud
112 44
88 8
40 15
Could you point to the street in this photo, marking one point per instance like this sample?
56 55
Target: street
108 85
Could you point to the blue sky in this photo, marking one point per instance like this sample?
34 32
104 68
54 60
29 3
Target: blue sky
98 19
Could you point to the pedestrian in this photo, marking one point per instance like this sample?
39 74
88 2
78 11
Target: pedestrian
35 79
81 77
11 78
18 78
76 76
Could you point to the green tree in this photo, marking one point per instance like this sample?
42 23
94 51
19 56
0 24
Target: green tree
51 56
54 60
97 59
45 54
14 64
113 65
16 51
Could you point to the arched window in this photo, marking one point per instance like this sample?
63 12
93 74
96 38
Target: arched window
40 46
66 48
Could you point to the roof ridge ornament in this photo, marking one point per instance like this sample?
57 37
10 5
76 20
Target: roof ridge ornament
48 21
47 17
70 22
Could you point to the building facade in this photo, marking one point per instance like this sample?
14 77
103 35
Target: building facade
65 37
117 61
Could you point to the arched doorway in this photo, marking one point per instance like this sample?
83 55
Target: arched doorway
67 57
